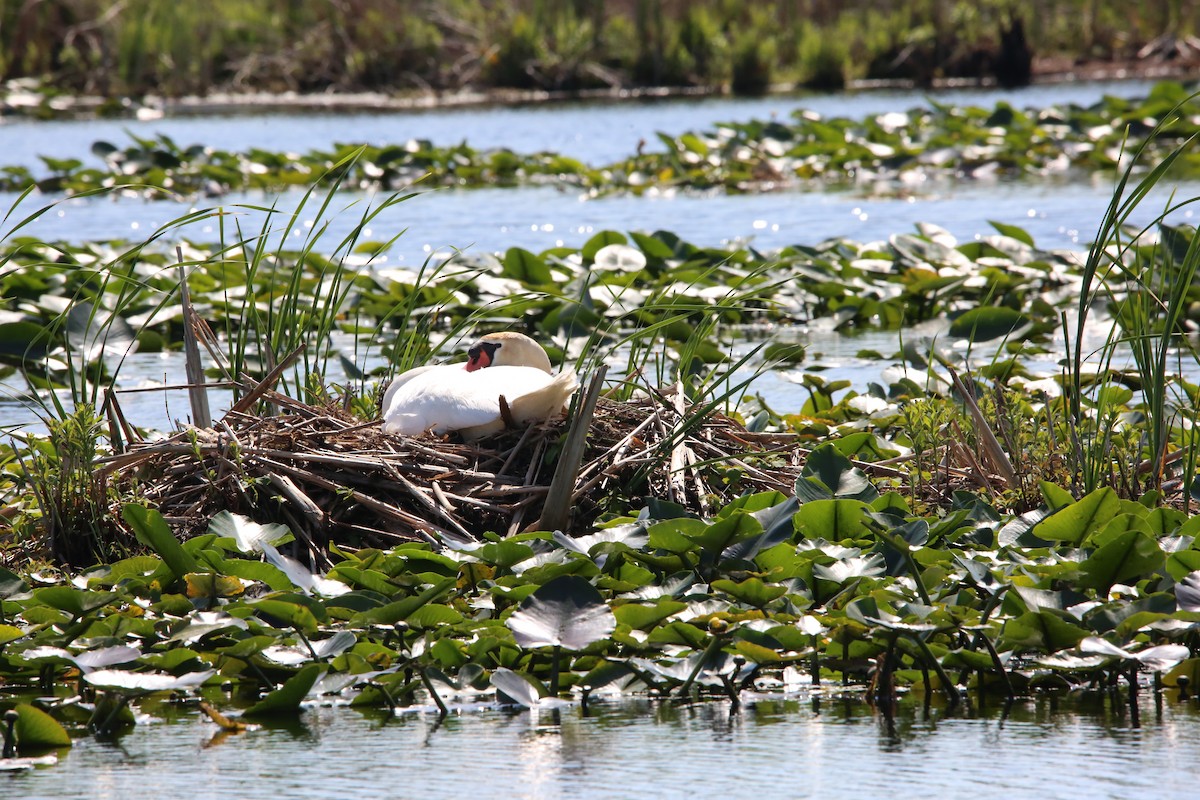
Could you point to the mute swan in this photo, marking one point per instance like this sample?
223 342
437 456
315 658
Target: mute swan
468 398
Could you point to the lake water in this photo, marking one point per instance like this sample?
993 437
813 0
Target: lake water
595 132
824 748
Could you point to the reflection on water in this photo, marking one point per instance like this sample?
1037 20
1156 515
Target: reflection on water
803 747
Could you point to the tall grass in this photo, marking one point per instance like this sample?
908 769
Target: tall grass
291 301
294 301
1151 290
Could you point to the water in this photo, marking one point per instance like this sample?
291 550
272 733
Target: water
1061 215
776 748
1057 215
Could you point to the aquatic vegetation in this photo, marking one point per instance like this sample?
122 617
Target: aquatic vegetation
624 280
966 528
889 150
897 147
662 306
841 582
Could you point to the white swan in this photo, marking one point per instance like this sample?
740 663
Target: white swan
506 381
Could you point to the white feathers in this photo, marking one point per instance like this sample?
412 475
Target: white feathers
449 398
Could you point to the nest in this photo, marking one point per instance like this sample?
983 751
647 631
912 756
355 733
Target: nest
334 479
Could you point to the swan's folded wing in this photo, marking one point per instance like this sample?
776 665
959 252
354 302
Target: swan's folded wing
440 399
545 402
452 399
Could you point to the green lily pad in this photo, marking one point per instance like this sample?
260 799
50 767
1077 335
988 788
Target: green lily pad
36 730
286 700
1076 522
985 323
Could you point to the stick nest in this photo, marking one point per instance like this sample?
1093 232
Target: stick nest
331 478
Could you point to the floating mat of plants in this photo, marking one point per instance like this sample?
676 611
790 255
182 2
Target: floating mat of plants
331 478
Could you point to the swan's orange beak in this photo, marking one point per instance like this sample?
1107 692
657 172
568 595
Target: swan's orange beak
481 355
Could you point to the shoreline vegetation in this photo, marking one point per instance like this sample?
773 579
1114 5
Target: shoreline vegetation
87 57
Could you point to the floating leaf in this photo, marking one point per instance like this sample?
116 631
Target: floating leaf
1082 518
568 612
1162 657
95 332
644 617
23 340
291 614
10 584
728 531
524 266
287 698
1013 231
152 530
208 584
248 536
75 602
752 590
515 687
1155 659
835 520
1044 630
146 681
300 576
1127 556
1187 592
841 571
37 730
106 657
984 323
827 473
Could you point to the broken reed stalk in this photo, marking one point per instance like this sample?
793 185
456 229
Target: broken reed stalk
991 446
681 454
266 383
557 509
197 394
120 432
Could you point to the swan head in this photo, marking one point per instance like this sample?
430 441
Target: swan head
507 349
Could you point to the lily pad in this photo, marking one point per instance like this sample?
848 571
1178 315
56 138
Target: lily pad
566 612
36 730
286 699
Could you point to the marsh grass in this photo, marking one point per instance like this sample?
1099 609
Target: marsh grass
75 503
297 309
290 303
299 301
1152 290
143 46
